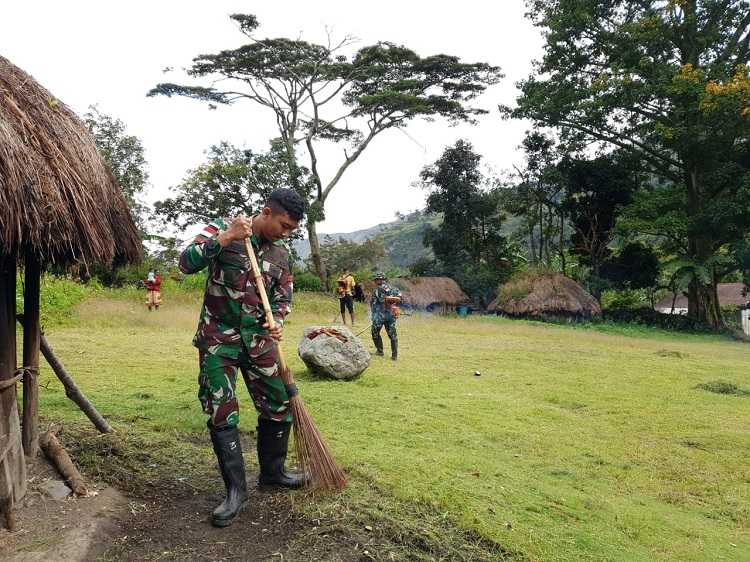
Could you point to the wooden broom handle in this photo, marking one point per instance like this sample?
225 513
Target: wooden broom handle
286 374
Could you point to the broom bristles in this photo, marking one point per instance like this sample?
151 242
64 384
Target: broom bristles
313 456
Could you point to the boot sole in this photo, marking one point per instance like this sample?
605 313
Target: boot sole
227 522
267 486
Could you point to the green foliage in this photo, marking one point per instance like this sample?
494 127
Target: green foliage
58 296
424 267
635 267
647 316
595 192
404 240
231 182
307 281
343 254
535 197
732 317
469 244
625 299
319 94
125 156
667 82
195 282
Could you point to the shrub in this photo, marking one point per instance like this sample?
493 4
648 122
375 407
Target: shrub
58 296
654 318
722 387
307 281
732 317
625 299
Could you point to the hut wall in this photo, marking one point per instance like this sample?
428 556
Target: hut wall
12 462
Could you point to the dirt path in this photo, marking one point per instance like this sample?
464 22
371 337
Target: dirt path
170 524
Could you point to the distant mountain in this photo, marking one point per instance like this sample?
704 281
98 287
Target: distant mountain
402 238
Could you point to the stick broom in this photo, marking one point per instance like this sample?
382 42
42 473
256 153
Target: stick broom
315 460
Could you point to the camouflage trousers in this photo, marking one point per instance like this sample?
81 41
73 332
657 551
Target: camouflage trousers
390 330
217 383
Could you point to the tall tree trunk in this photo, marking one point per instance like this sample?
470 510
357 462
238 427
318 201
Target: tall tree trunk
561 246
532 245
703 299
312 236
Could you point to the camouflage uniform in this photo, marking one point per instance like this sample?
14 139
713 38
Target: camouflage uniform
382 316
230 335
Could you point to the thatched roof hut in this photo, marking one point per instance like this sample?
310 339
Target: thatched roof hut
546 294
57 195
59 204
438 294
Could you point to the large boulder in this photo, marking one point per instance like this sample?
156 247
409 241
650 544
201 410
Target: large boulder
333 351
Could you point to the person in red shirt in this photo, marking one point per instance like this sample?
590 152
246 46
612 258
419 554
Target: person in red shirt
153 287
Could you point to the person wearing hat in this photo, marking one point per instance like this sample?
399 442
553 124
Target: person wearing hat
384 308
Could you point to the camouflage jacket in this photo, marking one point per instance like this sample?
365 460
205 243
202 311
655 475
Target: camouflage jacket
381 311
232 311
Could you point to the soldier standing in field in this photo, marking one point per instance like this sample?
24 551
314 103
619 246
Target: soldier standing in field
384 309
233 335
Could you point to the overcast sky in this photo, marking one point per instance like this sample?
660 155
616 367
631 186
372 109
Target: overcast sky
111 54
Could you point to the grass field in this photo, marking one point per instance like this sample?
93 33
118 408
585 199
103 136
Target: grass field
573 444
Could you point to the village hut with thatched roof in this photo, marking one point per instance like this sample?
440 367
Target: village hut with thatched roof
544 295
433 294
61 206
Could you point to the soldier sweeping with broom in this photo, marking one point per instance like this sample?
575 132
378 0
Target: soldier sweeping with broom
235 333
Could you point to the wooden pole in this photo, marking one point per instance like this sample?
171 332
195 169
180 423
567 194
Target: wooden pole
12 462
72 391
31 341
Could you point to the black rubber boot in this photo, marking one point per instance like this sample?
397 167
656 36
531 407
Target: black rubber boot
378 341
273 442
228 451
394 349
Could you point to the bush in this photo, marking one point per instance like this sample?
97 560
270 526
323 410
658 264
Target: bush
307 281
58 296
194 282
732 317
653 318
625 299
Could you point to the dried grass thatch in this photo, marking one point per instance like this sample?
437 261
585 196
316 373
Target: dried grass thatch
421 292
58 198
545 294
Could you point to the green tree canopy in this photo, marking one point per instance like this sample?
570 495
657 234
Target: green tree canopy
319 93
125 156
231 181
468 245
596 191
342 254
668 82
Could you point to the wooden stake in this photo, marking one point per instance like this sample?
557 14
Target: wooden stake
31 337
